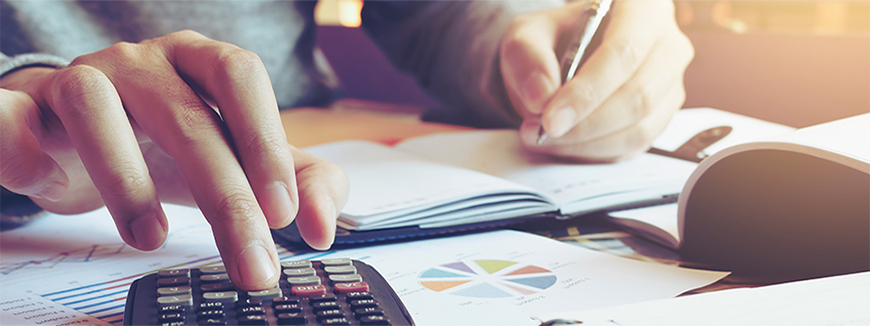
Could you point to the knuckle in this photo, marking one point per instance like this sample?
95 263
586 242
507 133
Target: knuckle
628 53
123 50
126 183
235 204
234 63
192 122
183 35
79 84
585 93
643 103
78 78
685 44
264 144
116 52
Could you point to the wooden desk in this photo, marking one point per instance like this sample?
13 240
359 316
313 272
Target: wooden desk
356 119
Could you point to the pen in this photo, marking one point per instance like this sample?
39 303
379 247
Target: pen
575 54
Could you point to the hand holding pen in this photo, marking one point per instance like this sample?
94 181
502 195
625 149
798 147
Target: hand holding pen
622 93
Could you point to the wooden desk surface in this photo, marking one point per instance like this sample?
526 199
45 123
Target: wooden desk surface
354 119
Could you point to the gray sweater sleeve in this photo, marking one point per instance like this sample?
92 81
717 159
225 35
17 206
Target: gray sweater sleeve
451 48
9 64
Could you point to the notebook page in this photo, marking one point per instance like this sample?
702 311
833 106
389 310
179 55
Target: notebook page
384 180
500 153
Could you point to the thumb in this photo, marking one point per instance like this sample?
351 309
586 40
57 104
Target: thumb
529 66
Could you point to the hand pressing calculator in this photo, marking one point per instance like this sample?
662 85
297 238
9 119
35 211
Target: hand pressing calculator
326 292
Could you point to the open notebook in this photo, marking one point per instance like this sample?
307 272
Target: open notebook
458 178
461 181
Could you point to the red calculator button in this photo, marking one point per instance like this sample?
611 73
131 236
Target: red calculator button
308 290
352 287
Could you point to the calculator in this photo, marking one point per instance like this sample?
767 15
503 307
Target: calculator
338 291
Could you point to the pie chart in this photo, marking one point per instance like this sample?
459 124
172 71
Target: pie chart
487 278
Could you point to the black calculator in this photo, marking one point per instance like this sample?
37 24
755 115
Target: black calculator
338 291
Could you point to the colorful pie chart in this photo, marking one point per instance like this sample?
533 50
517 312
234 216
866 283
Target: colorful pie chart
487 278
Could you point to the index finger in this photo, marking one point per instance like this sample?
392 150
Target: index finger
238 82
183 125
627 40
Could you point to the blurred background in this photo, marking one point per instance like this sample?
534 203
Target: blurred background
798 63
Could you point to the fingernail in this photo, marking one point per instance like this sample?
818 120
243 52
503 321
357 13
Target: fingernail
148 232
256 266
54 191
562 121
535 89
279 203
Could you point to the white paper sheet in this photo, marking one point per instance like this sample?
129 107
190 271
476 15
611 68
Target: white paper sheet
80 266
506 277
840 300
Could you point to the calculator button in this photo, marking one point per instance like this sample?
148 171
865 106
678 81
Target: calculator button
358 295
338 278
210 306
215 277
174 273
168 318
325 306
173 281
322 298
370 311
296 264
183 300
175 323
307 280
374 320
287 308
210 314
340 269
366 303
300 272
335 321
285 300
226 296
250 302
173 309
220 269
210 321
351 287
336 262
327 314
266 294
175 290
308 290
253 320
216 287
252 311
291 318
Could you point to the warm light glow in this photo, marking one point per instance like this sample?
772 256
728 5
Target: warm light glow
338 13
819 17
349 12
831 17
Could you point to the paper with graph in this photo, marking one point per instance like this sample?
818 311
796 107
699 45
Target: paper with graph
60 270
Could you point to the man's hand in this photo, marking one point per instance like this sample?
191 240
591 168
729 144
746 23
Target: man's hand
180 118
619 100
